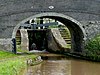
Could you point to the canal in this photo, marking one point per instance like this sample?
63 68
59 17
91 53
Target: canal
60 65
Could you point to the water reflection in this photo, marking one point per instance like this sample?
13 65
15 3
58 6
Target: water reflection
64 66
84 68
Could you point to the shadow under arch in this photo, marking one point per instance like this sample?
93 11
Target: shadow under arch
75 28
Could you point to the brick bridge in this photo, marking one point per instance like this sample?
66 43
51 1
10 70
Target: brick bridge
82 17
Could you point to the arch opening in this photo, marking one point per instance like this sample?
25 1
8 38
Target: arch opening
76 31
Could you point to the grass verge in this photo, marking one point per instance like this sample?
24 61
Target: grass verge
4 55
11 64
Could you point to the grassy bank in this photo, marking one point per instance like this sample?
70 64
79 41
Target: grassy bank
93 48
4 55
11 64
12 67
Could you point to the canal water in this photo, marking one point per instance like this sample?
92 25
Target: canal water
61 65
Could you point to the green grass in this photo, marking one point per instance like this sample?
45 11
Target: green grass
12 67
4 54
22 51
12 64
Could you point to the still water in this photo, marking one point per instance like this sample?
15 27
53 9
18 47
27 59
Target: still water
58 65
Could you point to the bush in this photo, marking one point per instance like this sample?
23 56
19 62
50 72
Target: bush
93 48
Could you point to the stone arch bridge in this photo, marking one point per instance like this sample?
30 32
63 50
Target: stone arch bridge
82 17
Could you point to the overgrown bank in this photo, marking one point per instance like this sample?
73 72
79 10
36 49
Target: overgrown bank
93 48
91 52
11 64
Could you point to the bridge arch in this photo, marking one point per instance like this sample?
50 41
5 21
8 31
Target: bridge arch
78 35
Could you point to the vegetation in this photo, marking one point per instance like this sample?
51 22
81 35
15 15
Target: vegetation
93 48
12 67
11 64
4 55
21 51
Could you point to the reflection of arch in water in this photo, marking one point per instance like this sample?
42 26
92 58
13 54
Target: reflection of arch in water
75 28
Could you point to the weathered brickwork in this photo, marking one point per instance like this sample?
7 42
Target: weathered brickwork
5 44
92 28
87 12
